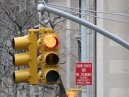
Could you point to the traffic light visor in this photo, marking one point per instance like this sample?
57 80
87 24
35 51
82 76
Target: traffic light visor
20 42
21 76
20 59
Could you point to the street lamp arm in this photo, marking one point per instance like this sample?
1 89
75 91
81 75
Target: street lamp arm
84 23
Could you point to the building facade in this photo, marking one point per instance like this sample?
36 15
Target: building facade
112 58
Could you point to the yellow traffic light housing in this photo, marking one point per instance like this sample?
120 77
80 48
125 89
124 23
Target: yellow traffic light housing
49 46
29 58
71 94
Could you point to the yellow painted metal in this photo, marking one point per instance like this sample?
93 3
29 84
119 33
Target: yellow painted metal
75 89
30 43
29 58
39 43
21 76
45 51
21 59
21 42
32 51
71 94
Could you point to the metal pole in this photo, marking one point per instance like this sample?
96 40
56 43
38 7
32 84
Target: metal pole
38 88
85 23
83 44
83 33
68 58
40 18
94 53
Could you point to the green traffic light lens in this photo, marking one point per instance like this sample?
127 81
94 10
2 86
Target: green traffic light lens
52 59
52 76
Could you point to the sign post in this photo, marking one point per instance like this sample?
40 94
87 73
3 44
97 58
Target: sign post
83 74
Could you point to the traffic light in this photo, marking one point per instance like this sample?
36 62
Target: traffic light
27 59
49 47
71 94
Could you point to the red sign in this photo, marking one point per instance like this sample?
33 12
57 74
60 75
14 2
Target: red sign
83 73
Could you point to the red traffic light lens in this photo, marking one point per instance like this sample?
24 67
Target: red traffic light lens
50 41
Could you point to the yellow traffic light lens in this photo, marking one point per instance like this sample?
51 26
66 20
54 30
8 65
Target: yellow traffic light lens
52 59
52 76
50 41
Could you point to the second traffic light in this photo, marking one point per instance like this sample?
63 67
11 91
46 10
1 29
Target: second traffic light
49 46
28 59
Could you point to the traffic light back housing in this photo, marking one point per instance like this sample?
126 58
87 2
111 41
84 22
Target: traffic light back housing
28 59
